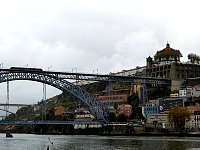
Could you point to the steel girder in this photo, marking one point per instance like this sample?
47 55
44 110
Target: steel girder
98 110
99 77
112 78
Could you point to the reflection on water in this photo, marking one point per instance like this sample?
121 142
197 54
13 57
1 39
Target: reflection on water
64 142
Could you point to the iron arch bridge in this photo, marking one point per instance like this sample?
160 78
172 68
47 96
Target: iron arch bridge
98 110
58 80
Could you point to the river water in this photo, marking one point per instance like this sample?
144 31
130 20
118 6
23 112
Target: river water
85 142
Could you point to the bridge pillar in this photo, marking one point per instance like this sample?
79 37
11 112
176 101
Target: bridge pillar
109 93
7 99
44 100
143 94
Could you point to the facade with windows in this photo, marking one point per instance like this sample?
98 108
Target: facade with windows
196 91
114 97
138 71
195 117
151 109
167 64
185 91
159 118
190 91
170 103
163 105
125 109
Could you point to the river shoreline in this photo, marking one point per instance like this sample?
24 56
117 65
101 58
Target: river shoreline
103 131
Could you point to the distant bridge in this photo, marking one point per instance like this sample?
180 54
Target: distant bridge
58 80
11 105
6 111
14 105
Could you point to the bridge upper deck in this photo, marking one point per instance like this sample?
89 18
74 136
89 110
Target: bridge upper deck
94 77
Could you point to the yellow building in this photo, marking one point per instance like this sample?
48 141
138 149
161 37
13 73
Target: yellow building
136 88
59 110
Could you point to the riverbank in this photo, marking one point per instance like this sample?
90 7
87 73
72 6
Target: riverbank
104 131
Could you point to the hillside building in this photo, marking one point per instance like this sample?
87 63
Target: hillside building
59 110
125 109
190 91
114 97
169 103
159 118
185 92
151 109
167 64
138 71
195 117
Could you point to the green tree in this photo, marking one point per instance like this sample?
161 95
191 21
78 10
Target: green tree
112 117
133 100
122 118
179 116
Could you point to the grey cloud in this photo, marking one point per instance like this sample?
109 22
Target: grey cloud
90 36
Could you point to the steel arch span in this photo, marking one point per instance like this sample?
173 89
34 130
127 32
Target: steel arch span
98 110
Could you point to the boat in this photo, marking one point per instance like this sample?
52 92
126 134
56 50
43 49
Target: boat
8 134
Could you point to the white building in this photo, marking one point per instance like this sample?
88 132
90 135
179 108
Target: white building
185 91
190 91
130 72
195 117
196 91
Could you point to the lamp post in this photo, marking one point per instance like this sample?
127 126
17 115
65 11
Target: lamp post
96 71
1 66
50 68
76 75
74 69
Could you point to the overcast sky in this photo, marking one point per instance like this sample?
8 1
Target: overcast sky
108 35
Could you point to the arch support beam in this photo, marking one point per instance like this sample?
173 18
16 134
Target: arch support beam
98 110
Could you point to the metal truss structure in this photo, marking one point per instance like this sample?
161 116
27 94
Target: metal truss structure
98 110
98 77
59 80
112 78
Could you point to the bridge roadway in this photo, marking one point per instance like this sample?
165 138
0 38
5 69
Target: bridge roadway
45 122
97 77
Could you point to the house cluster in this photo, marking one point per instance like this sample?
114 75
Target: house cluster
166 63
185 86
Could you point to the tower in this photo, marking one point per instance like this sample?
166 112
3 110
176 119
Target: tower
149 62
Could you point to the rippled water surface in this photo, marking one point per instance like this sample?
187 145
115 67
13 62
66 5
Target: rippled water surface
82 142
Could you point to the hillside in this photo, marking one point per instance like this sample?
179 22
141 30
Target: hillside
37 111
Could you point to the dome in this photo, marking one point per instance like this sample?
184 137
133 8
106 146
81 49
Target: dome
167 53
